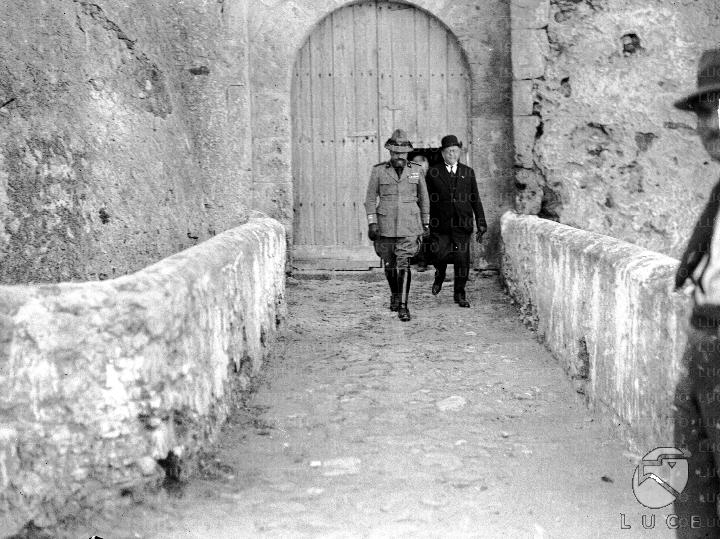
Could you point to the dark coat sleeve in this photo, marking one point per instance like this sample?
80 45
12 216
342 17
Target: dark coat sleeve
476 202
700 239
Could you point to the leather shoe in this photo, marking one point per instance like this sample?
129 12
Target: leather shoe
404 313
437 284
461 300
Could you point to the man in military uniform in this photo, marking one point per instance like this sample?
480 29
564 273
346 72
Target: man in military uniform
454 199
398 214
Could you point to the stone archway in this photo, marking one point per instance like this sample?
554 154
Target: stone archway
365 69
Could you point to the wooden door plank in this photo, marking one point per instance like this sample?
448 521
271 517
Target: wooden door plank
335 257
386 122
402 41
364 253
422 71
323 133
366 106
438 86
346 174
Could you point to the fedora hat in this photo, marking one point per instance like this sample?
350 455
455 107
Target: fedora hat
399 142
449 140
708 79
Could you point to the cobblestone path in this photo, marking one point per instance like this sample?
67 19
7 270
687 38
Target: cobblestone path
456 424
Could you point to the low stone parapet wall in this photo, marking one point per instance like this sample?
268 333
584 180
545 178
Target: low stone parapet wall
607 310
107 386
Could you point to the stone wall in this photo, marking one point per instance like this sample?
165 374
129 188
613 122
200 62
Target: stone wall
607 311
124 133
276 33
103 382
598 143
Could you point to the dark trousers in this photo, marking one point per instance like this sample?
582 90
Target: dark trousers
697 430
455 250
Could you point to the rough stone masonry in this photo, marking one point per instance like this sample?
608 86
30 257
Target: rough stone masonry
104 384
598 144
124 134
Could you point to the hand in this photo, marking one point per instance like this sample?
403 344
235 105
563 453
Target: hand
373 231
426 231
480 234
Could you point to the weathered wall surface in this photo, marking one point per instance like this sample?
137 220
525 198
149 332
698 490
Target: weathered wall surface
598 143
100 381
607 310
276 33
124 133
129 131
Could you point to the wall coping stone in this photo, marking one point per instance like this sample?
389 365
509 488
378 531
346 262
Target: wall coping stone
100 382
608 311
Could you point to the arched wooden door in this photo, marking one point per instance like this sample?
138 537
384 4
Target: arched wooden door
365 70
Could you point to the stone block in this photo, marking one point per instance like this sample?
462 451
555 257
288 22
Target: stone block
529 13
522 97
528 191
271 157
530 49
273 199
524 133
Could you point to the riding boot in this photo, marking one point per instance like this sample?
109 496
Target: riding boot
404 278
391 276
439 278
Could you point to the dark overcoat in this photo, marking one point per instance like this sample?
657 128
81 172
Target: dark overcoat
455 205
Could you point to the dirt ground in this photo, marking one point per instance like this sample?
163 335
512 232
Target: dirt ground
456 424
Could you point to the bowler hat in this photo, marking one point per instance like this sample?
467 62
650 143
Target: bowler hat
399 142
449 140
708 79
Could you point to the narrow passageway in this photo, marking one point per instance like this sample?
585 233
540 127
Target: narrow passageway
456 424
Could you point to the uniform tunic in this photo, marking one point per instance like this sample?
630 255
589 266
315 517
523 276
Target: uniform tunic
400 206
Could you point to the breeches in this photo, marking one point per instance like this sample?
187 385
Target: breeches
397 252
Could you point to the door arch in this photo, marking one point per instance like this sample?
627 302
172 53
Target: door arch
365 70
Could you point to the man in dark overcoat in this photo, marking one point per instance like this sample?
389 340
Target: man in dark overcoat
455 207
397 209
697 395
